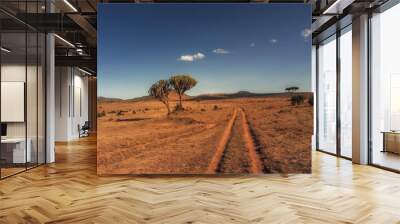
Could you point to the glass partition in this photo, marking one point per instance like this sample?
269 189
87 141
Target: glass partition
22 91
346 92
327 95
41 97
385 89
31 98
13 94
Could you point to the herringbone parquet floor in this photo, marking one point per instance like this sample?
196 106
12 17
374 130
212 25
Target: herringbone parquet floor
70 192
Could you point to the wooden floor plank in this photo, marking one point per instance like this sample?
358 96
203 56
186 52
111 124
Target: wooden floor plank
69 191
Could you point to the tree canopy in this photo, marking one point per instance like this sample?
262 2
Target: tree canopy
181 84
160 90
292 89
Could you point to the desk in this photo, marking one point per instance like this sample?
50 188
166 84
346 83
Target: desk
391 141
13 150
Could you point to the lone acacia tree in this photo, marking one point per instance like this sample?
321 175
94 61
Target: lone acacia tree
181 84
160 90
292 89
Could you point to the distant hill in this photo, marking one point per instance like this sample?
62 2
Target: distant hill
173 96
142 98
240 94
107 99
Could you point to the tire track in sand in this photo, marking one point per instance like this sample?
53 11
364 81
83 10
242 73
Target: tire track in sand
216 159
256 166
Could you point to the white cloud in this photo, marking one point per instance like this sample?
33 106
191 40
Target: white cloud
192 57
306 33
274 41
252 44
221 51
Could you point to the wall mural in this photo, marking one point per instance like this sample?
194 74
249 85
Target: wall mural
204 89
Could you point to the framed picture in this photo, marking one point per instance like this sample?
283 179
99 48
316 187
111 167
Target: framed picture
204 89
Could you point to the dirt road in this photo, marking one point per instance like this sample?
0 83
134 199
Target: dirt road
237 151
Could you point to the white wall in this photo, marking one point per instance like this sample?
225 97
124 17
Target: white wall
80 112
62 81
16 73
71 102
13 101
33 126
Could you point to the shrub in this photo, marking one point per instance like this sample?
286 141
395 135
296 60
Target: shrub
297 99
311 100
216 107
120 112
101 114
202 109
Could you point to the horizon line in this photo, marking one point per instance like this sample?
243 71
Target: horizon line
202 94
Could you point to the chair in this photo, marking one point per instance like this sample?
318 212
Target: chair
84 130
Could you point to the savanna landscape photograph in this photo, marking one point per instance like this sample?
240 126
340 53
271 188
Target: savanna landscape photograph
192 89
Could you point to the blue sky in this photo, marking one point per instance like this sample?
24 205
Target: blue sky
227 47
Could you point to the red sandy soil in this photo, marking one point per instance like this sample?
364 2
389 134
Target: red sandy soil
235 158
266 135
284 135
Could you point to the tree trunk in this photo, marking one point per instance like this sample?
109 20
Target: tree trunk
169 110
180 101
166 103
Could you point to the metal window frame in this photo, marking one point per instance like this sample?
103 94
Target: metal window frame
381 9
337 34
387 5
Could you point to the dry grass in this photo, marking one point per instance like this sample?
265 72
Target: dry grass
284 134
138 137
